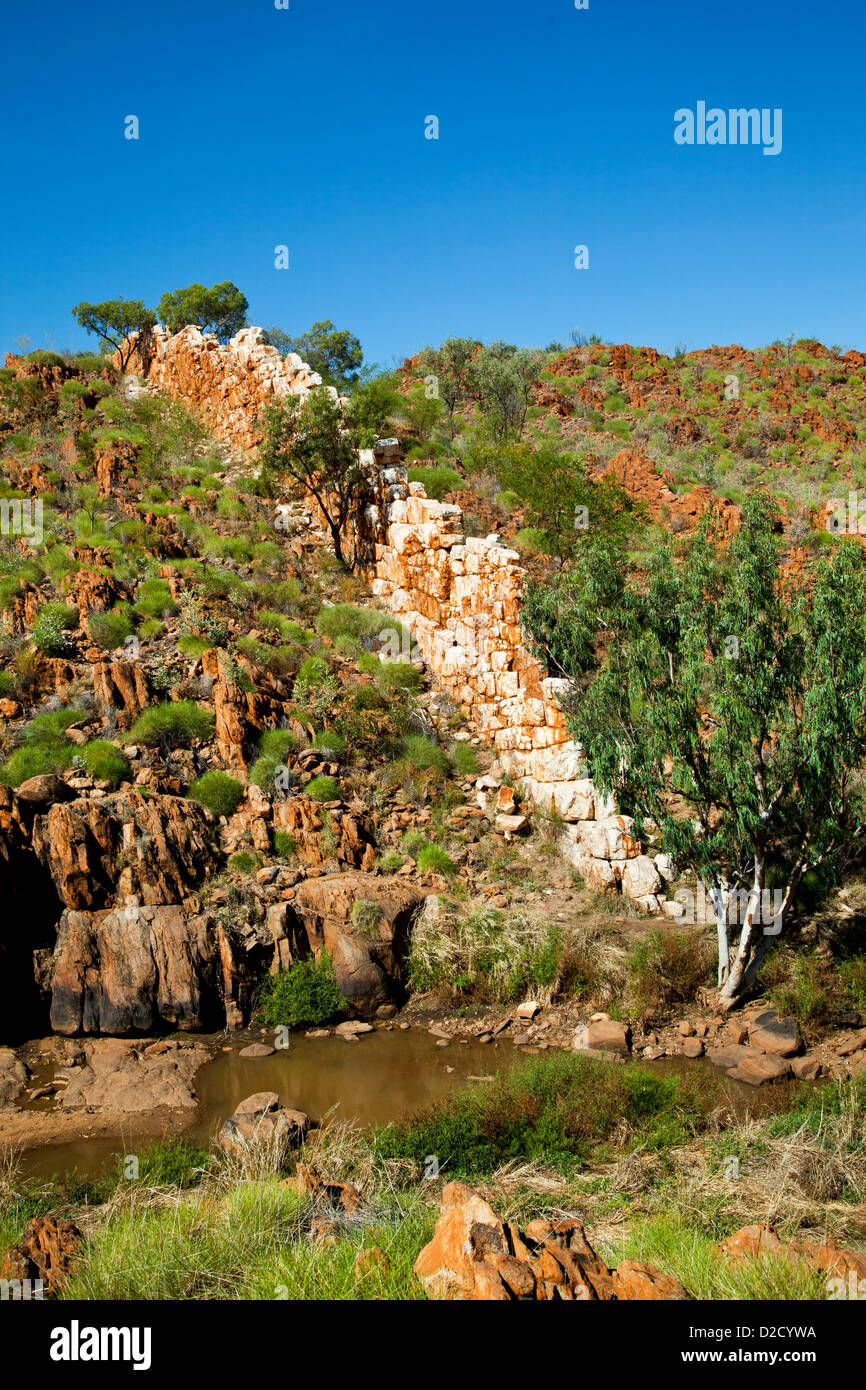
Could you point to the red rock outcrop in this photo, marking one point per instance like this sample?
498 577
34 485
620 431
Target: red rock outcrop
473 1256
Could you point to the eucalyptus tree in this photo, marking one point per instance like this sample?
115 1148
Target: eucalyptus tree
722 695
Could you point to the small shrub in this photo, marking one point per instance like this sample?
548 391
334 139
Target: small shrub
437 480
390 862
422 753
243 862
531 540
263 771
391 676
366 917
106 762
172 724
305 993
329 741
154 599
34 761
52 627
193 646
667 968
314 672
348 620
323 789
285 845
464 760
219 792
110 630
278 744
433 859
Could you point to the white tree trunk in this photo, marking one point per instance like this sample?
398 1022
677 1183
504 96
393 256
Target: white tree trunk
748 956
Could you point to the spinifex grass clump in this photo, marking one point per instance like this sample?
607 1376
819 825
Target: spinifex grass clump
172 724
45 748
219 792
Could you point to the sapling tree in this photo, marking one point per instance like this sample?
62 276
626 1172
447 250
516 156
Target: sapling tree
113 320
310 443
448 369
722 695
562 500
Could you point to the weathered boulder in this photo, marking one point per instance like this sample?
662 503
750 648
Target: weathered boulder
13 1076
260 1121
603 1036
369 961
757 1068
46 1251
474 1256
759 1240
134 969
774 1035
637 1281
44 790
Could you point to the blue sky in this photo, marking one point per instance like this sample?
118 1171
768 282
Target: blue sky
305 127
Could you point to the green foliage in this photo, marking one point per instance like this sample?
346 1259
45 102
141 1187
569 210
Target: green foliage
172 724
219 792
323 789
331 742
113 320
177 1162
315 447
451 366
560 1109
305 993
371 407
45 748
420 752
437 480
391 676
221 309
739 687
464 760
285 845
34 761
668 968
50 633
244 863
564 507
433 859
334 353
263 771
106 762
502 379
154 599
313 673
278 744
347 619
191 645
111 629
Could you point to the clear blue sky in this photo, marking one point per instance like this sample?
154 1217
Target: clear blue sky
305 126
